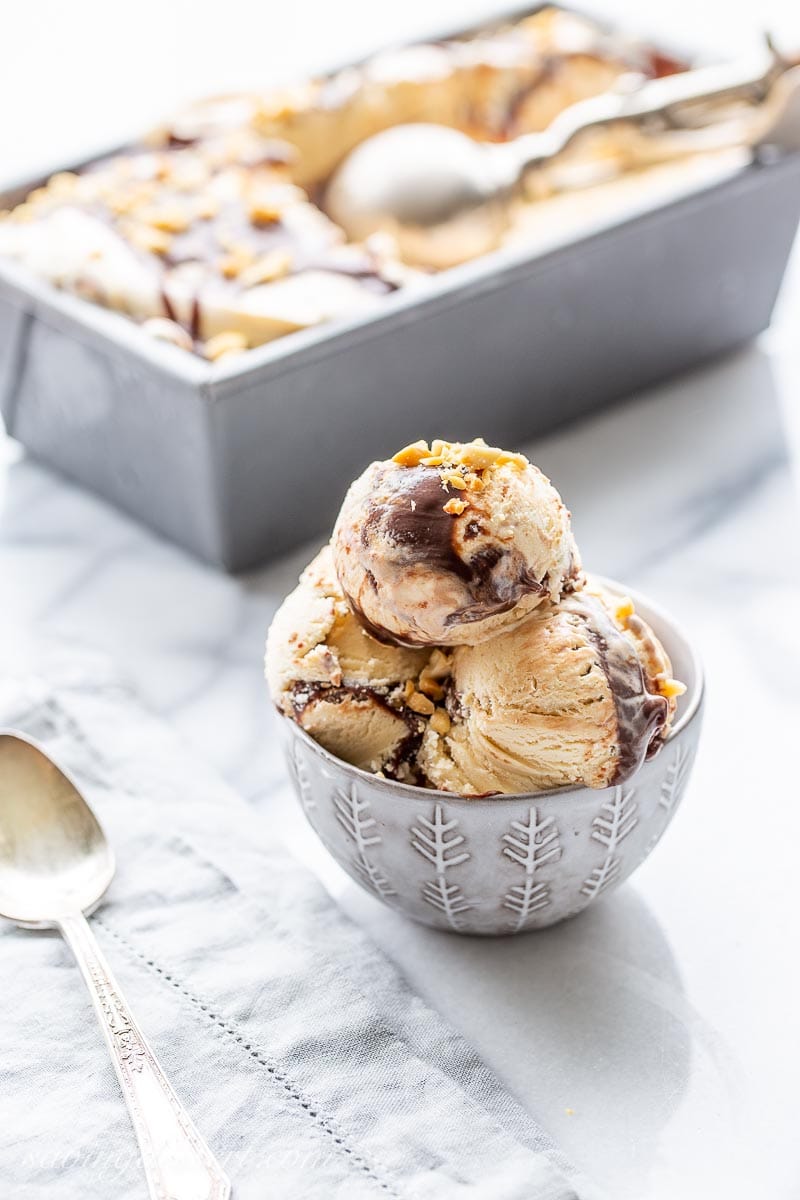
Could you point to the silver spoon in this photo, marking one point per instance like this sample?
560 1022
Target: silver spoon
445 197
55 865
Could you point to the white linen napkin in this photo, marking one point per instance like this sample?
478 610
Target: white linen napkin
304 1058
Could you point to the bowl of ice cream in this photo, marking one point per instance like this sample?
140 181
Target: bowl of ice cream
482 736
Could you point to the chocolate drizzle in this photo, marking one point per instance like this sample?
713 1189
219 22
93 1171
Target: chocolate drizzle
409 512
305 693
168 307
641 714
412 517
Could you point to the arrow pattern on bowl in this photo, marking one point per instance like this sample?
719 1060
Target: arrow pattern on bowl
672 788
616 819
304 789
474 868
354 815
531 845
674 779
438 842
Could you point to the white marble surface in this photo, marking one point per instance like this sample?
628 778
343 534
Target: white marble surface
656 1037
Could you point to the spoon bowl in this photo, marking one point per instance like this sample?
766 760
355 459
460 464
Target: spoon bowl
54 857
441 195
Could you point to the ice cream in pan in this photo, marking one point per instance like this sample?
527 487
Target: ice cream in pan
449 638
208 230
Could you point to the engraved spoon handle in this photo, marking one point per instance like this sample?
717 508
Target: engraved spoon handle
177 1162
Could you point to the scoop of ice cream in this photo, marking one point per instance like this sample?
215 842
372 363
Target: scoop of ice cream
452 543
350 692
580 693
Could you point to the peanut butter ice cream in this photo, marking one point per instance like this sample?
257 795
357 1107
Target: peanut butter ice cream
343 687
581 692
448 637
451 543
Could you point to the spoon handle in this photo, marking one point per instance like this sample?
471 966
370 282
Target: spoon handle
177 1162
748 78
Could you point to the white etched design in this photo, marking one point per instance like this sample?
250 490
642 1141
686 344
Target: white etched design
304 790
354 815
531 844
674 779
438 842
670 792
616 819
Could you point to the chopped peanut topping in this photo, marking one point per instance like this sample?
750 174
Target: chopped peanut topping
459 458
409 689
456 481
517 460
267 268
455 507
440 722
421 704
262 212
670 687
148 238
232 265
625 609
481 457
411 456
229 342
431 687
171 218
437 666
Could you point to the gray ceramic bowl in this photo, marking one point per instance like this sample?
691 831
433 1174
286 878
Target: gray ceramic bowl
508 864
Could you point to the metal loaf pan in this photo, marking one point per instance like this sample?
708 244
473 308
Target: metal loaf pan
240 460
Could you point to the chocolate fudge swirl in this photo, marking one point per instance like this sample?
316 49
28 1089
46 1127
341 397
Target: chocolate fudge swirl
641 714
305 694
413 519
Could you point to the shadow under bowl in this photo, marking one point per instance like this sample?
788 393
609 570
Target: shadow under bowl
503 864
